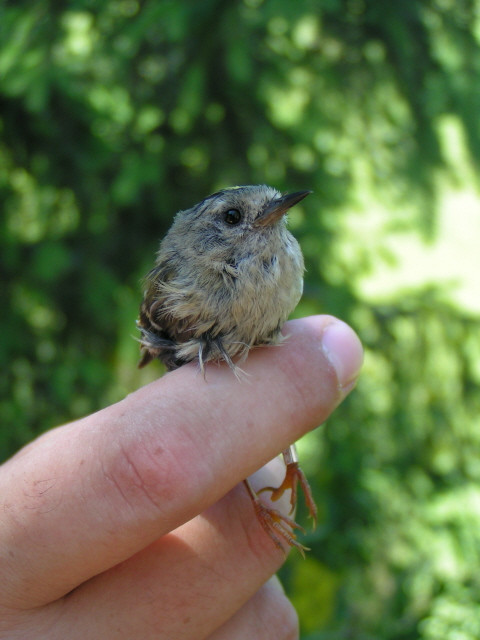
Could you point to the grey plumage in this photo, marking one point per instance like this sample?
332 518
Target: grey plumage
227 275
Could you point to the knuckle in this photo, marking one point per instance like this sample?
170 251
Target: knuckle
141 475
280 619
285 626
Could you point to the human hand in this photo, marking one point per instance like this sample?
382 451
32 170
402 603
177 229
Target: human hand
130 523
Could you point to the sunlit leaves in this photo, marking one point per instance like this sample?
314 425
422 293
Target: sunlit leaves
35 212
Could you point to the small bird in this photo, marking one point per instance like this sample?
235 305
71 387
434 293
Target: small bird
227 275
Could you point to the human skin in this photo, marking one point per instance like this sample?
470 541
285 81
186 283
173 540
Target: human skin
133 522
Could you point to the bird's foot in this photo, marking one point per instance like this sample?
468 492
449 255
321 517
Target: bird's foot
293 476
280 528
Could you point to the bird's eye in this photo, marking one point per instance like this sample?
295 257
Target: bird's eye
232 216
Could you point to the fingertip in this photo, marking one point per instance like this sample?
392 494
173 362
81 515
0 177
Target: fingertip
344 351
339 345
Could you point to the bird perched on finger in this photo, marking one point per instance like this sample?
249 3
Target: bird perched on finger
227 275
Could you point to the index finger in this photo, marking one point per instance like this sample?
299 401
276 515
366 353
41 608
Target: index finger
86 496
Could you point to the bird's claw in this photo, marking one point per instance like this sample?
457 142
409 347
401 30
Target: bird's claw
280 528
293 476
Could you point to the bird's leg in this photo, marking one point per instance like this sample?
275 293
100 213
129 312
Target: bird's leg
280 528
293 476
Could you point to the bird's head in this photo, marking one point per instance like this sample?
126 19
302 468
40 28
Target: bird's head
227 217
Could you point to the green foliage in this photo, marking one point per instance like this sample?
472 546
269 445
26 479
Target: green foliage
115 114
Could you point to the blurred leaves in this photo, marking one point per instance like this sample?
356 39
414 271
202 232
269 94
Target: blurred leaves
115 114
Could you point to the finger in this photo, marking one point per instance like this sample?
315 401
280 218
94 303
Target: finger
268 615
184 586
89 495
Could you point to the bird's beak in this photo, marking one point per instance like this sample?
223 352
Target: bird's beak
279 207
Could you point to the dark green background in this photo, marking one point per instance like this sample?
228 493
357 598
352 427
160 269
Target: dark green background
115 114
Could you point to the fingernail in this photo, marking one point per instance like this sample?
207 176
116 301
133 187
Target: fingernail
344 351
